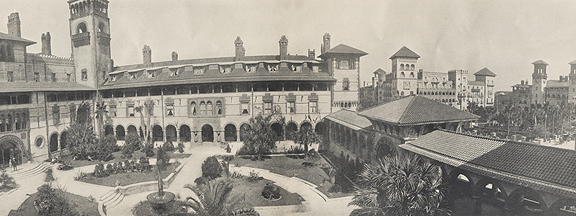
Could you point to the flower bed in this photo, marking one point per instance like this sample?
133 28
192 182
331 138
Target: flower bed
128 178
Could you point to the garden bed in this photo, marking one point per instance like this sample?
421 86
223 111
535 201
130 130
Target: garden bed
130 177
118 158
82 205
252 192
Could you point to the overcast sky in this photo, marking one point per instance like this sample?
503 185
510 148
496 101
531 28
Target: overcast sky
504 36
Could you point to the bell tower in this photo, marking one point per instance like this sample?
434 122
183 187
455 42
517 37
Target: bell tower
539 77
90 40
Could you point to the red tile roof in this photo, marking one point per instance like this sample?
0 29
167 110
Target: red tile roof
539 62
42 86
404 52
415 110
5 36
350 119
343 49
485 72
539 167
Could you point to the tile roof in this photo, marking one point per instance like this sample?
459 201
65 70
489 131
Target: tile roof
42 86
343 49
350 119
540 167
539 62
485 72
556 84
414 110
404 52
379 70
5 36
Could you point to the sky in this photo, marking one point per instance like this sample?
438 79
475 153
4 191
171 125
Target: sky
505 36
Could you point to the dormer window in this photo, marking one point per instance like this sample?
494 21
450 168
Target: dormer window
250 68
174 72
113 78
198 70
296 67
225 69
132 76
272 67
151 74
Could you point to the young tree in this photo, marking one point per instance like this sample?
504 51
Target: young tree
401 184
211 168
101 113
49 202
81 140
306 137
260 138
146 111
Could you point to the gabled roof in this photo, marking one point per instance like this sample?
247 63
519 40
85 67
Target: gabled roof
42 86
350 118
5 36
415 110
404 52
539 167
379 71
485 72
343 49
539 62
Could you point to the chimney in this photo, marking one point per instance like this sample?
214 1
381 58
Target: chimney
521 82
283 47
14 25
312 54
147 55
174 56
239 49
373 82
46 44
326 43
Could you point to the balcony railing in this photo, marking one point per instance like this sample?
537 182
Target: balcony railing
81 39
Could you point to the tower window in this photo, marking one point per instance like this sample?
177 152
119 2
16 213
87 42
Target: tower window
218 108
346 84
84 74
36 77
53 77
101 27
10 76
82 28
68 77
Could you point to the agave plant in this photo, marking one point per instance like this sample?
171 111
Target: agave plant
400 184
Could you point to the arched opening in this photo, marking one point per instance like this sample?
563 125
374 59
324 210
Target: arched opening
321 130
244 131
491 193
108 130
207 133
563 207
120 132
157 133
132 130
306 126
462 185
525 201
278 131
291 129
185 133
63 139
9 149
102 27
383 148
82 28
171 133
54 142
230 133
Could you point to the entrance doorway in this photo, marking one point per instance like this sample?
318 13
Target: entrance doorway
8 149
207 133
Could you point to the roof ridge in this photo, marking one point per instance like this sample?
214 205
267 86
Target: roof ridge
405 110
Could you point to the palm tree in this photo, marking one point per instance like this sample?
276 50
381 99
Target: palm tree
212 198
400 184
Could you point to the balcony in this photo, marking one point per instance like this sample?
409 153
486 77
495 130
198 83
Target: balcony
103 38
81 39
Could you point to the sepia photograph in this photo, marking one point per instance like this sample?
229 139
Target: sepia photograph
287 107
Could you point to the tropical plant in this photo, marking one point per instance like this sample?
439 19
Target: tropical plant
306 137
168 146
81 140
260 138
211 168
101 113
212 199
146 112
51 203
6 181
162 159
400 184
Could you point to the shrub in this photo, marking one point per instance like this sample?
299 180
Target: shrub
254 176
245 212
201 180
104 153
50 202
49 176
335 189
145 163
65 166
133 142
181 147
313 155
270 191
211 168
127 151
111 143
149 150
109 169
162 159
168 146
6 181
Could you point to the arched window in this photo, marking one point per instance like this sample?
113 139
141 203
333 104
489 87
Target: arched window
202 108
193 108
411 74
82 28
402 74
218 108
412 67
101 27
402 67
209 108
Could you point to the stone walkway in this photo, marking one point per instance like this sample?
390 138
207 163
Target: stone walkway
29 177
316 203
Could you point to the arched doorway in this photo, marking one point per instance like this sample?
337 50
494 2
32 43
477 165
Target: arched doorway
120 133
185 133
54 142
132 130
244 129
171 133
321 130
230 133
108 130
291 129
9 147
383 148
63 139
207 133
278 131
157 133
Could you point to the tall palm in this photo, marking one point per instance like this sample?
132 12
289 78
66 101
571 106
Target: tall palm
213 198
401 184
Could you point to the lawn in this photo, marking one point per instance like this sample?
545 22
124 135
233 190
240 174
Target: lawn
251 192
118 158
130 177
82 205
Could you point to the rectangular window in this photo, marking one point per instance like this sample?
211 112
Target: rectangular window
84 74
291 107
36 77
313 106
68 77
245 109
53 77
170 110
113 112
10 76
130 111
345 84
267 107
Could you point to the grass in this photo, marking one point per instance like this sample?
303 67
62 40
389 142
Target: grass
82 205
292 166
251 193
130 178
118 158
